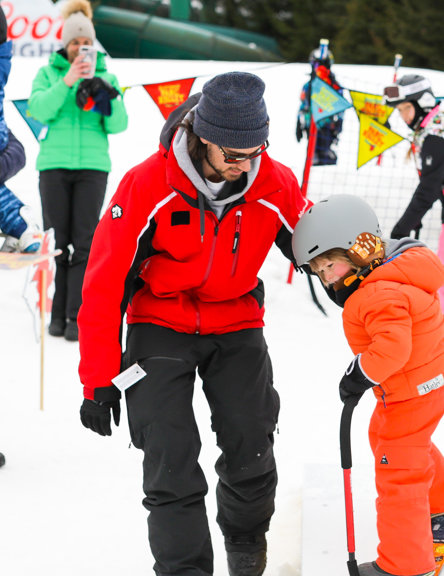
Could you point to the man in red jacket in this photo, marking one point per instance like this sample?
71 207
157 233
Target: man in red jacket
178 250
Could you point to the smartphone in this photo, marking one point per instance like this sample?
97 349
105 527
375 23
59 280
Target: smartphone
89 54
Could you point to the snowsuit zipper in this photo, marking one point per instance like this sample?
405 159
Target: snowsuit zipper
236 240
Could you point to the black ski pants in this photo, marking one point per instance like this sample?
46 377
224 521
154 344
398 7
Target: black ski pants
71 204
236 372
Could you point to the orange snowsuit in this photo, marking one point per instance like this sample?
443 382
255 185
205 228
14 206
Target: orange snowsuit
394 321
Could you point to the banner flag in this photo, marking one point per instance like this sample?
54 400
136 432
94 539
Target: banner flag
374 138
372 105
37 128
33 287
326 101
169 95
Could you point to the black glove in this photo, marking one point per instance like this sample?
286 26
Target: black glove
96 94
97 415
398 233
354 382
299 131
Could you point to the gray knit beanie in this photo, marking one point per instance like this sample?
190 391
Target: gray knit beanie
78 21
231 111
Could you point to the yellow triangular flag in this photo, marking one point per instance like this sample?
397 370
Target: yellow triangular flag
372 105
374 138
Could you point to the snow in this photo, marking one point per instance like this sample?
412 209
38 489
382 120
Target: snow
70 501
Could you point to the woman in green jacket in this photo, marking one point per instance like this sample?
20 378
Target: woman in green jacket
74 161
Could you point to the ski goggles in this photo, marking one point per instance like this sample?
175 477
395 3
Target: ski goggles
395 92
235 158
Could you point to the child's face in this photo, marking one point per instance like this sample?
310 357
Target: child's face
331 270
407 112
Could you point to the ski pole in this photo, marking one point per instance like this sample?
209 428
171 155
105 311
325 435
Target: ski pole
396 65
346 463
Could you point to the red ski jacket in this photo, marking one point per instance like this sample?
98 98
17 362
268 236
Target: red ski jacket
163 257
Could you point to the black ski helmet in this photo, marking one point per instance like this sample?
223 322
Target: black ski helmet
315 58
335 222
410 88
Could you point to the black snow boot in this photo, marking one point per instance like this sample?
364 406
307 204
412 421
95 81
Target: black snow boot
72 331
246 555
57 327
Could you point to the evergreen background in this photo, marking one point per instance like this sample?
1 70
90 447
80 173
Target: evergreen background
360 31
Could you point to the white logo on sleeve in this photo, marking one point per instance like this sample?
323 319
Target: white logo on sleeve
430 385
116 211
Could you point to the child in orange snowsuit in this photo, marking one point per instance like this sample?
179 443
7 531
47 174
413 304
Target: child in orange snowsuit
394 325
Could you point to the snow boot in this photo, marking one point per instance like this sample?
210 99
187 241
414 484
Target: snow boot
438 542
57 327
31 239
71 331
25 234
372 569
246 555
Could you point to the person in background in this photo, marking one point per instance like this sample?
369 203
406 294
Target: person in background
413 97
178 250
328 129
74 161
17 221
394 325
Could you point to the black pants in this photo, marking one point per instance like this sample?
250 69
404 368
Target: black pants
237 381
71 204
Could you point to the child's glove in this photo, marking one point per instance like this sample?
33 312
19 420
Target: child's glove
96 94
97 415
354 382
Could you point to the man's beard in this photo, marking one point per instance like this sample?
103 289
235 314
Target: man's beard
224 174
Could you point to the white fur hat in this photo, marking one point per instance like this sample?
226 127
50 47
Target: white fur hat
78 21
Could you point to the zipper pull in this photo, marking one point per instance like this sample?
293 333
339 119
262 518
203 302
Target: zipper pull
237 231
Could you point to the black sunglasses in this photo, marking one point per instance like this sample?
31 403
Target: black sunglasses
235 158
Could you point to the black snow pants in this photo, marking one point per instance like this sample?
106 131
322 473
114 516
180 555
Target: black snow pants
236 372
71 204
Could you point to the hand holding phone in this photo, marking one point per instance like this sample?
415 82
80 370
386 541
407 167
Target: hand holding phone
89 54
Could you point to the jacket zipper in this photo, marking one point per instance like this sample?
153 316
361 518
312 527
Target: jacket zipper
205 278
236 240
211 258
383 395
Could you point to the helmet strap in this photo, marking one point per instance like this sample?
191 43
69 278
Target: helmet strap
420 114
361 274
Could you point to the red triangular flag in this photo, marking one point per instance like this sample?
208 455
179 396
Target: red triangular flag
169 95
49 266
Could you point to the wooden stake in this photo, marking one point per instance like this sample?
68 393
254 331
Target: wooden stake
42 332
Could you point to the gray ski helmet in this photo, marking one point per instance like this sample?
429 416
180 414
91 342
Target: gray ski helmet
410 88
332 223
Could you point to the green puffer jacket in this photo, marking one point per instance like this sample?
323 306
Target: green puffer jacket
76 139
